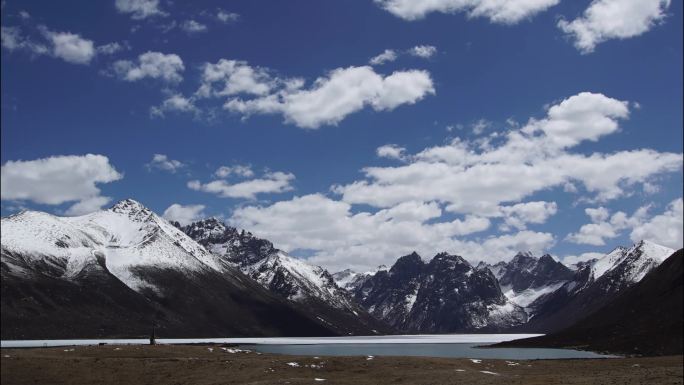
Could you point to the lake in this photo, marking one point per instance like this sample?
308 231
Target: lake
436 345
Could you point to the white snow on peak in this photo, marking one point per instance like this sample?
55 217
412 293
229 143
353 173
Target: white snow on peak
310 280
124 237
642 256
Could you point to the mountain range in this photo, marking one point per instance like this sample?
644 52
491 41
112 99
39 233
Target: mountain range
644 319
116 272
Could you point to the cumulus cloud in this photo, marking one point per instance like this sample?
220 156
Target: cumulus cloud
162 162
445 194
70 47
476 180
389 55
342 238
238 169
184 214
519 215
496 11
342 92
13 39
175 102
111 48
139 9
154 65
480 126
605 226
664 229
227 17
87 206
391 151
59 179
613 19
234 77
269 183
254 90
570 260
424 51
193 26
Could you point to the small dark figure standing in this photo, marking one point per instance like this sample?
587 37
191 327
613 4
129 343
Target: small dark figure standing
152 339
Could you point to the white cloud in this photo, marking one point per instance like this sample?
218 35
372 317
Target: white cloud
11 38
270 183
162 162
67 46
234 77
59 179
480 126
328 101
474 179
341 238
496 11
72 47
342 92
177 103
391 151
139 9
193 26
664 229
155 65
110 48
604 226
227 17
519 215
424 51
599 214
585 116
87 206
184 214
239 170
389 55
613 19
570 260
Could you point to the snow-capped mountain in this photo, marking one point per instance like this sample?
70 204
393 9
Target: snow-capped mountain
445 295
350 280
291 278
596 284
525 278
115 271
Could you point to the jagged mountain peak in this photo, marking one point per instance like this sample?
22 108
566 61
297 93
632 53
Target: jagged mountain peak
128 205
410 264
449 261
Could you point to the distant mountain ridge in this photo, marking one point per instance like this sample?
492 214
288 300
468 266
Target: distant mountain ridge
116 272
444 295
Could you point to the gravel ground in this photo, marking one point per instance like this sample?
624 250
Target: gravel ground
182 364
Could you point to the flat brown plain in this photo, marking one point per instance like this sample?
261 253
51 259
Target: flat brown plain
177 364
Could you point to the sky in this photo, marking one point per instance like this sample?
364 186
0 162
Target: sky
350 133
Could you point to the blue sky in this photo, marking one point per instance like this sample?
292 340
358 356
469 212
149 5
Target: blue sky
92 78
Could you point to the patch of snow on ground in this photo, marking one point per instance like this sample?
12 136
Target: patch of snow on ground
526 297
488 372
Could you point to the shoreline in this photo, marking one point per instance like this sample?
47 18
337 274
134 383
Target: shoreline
207 364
